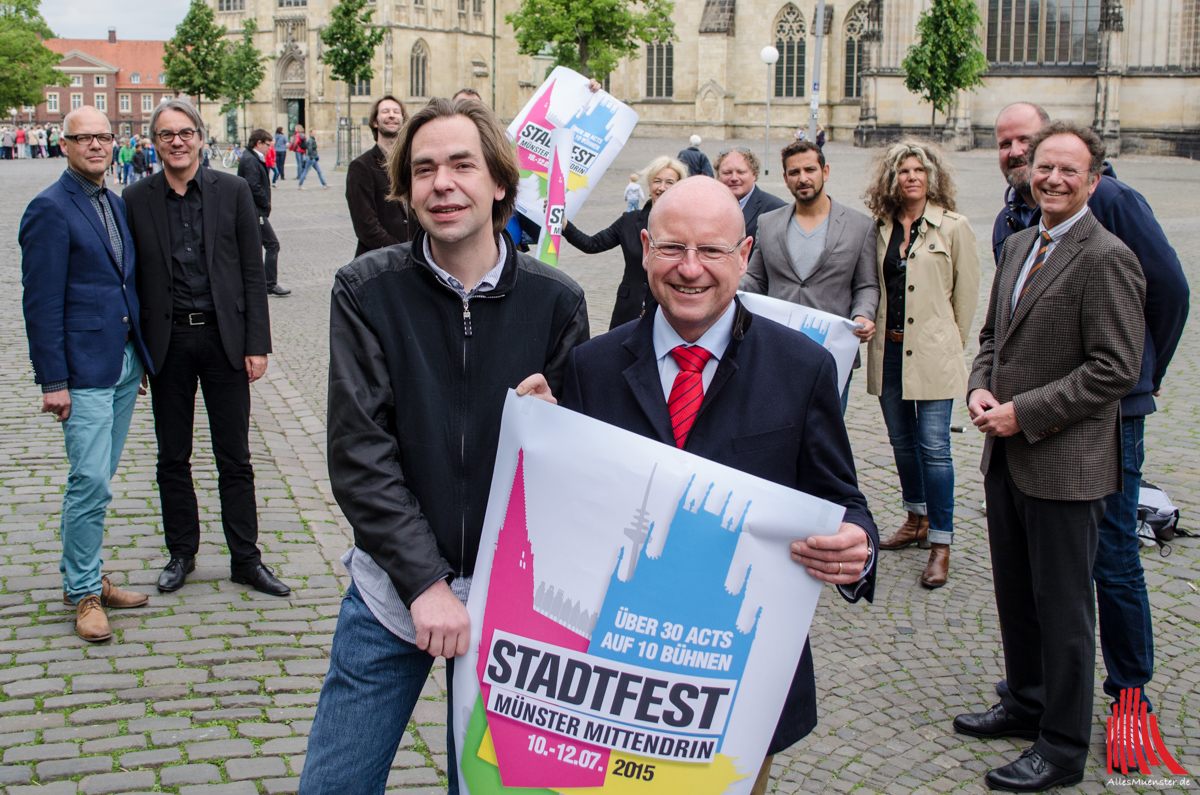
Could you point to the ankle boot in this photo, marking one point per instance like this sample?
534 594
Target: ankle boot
915 530
938 567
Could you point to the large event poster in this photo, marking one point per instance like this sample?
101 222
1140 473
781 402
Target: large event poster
600 125
834 332
636 617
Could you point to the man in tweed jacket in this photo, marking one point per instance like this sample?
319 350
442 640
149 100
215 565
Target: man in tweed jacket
1061 345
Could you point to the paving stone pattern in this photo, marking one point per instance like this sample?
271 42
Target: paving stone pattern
213 689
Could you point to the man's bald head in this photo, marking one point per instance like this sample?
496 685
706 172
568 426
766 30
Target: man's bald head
695 250
1016 125
706 195
86 116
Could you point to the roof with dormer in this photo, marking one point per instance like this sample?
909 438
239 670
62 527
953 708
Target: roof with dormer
126 58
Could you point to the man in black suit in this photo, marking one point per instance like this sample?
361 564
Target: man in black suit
769 406
378 222
253 169
737 169
204 317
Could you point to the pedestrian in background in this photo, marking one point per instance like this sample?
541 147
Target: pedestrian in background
297 145
633 193
253 169
7 141
82 318
311 158
280 148
928 264
696 161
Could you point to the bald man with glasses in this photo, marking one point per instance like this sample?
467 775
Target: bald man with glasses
85 343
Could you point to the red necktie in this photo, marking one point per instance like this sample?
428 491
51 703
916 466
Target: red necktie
688 390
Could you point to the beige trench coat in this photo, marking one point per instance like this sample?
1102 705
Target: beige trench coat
940 295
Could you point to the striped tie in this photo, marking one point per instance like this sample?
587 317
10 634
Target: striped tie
1038 261
688 390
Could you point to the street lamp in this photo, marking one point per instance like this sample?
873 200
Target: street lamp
769 56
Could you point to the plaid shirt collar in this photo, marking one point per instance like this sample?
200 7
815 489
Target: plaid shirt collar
90 188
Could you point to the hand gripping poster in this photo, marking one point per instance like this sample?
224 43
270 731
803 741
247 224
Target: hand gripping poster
833 332
636 617
596 125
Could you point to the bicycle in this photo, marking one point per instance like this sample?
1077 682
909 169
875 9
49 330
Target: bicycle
232 155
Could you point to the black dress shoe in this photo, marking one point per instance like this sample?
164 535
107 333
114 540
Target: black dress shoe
1031 773
175 574
996 722
261 579
278 289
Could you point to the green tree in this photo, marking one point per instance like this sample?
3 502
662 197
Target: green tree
350 41
947 57
194 59
590 36
244 71
26 63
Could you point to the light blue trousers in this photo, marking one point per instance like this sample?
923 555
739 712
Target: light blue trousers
95 437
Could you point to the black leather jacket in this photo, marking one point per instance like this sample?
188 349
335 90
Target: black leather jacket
417 380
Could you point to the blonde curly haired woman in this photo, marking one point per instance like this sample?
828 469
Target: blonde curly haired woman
928 262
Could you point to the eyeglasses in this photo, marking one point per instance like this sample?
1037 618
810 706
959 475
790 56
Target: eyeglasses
166 136
85 139
674 252
1067 173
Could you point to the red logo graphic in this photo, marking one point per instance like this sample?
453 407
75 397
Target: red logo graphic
1132 738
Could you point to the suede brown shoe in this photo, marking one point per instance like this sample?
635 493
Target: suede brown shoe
915 530
90 622
112 596
938 567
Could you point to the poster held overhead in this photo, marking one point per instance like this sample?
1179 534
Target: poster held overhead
599 126
636 618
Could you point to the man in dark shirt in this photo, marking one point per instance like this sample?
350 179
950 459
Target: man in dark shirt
253 169
205 318
377 221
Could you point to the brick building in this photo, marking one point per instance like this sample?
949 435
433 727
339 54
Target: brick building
124 79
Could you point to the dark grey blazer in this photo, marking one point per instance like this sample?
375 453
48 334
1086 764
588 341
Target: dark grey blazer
845 281
1069 353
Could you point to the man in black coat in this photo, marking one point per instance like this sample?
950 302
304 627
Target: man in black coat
770 400
253 169
205 319
377 221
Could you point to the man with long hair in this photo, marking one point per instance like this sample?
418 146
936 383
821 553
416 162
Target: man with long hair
377 220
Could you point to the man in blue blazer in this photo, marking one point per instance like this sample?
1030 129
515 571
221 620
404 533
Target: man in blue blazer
762 399
81 317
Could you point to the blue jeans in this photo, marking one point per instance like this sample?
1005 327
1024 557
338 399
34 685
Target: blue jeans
919 431
631 206
126 173
95 434
280 156
1123 608
373 683
311 164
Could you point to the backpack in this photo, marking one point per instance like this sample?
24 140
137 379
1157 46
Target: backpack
1158 519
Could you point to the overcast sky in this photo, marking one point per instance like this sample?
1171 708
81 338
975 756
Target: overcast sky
91 19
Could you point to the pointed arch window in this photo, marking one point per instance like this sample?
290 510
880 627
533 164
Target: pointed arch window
660 70
790 33
418 65
856 51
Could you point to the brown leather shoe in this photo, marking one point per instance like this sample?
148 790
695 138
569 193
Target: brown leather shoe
938 567
90 622
112 596
915 530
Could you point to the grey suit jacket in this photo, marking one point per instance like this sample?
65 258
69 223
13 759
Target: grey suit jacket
1069 353
845 281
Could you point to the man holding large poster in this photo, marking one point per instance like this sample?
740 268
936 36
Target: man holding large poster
704 374
425 340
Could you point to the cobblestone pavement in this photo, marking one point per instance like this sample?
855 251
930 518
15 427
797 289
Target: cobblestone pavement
212 689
